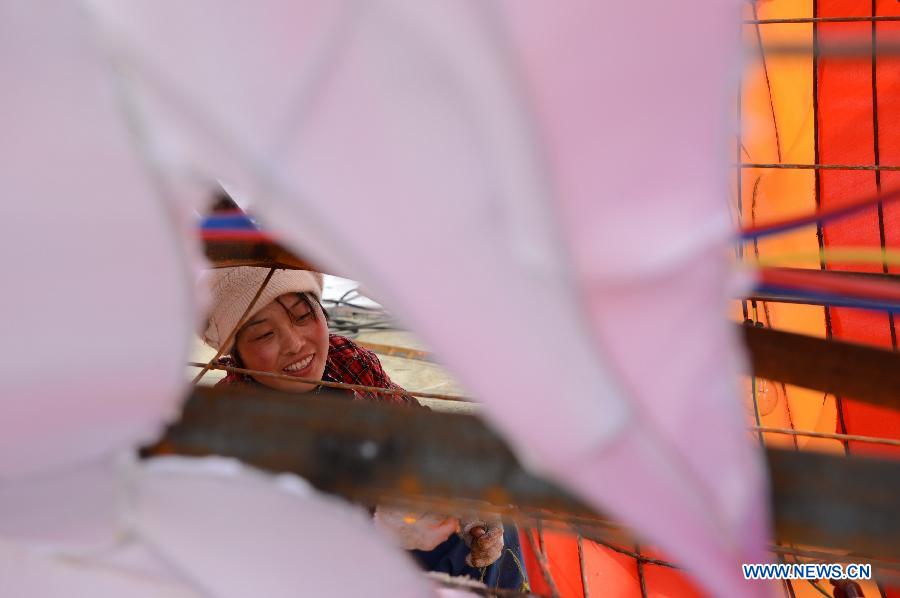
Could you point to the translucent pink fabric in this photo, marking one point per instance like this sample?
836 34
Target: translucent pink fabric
97 307
535 187
489 172
99 315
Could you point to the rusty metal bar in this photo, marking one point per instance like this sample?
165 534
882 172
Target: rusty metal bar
833 49
395 351
828 436
233 332
865 373
226 254
370 453
862 372
788 299
838 502
327 384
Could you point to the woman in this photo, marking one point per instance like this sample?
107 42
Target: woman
286 332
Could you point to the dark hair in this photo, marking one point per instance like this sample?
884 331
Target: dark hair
311 302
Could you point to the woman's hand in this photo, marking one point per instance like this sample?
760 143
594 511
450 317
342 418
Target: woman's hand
415 530
485 539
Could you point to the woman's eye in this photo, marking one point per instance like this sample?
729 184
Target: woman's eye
302 317
264 336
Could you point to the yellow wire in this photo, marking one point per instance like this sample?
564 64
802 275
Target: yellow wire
852 255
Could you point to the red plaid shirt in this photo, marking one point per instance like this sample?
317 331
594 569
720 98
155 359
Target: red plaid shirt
348 363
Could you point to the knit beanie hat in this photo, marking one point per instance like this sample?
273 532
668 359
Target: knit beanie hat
232 290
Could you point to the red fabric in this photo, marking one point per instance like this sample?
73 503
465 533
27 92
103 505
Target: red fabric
888 81
847 136
347 363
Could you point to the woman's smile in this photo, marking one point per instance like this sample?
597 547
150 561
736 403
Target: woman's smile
300 367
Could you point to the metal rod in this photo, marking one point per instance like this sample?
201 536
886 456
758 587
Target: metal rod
828 303
820 166
640 571
808 20
828 435
630 553
867 373
584 579
840 50
328 384
876 136
467 584
395 351
224 346
542 562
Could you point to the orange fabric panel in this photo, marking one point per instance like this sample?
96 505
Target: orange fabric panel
610 573
666 582
565 566
778 126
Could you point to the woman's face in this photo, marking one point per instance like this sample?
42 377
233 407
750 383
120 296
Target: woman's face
285 337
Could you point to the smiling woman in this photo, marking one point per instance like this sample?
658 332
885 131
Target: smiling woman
286 332
288 336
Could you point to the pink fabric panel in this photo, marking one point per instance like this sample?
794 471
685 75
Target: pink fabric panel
98 299
633 120
544 206
99 315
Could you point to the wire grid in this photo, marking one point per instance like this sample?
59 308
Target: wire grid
876 167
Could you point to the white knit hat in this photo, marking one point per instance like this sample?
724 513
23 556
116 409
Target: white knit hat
232 290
